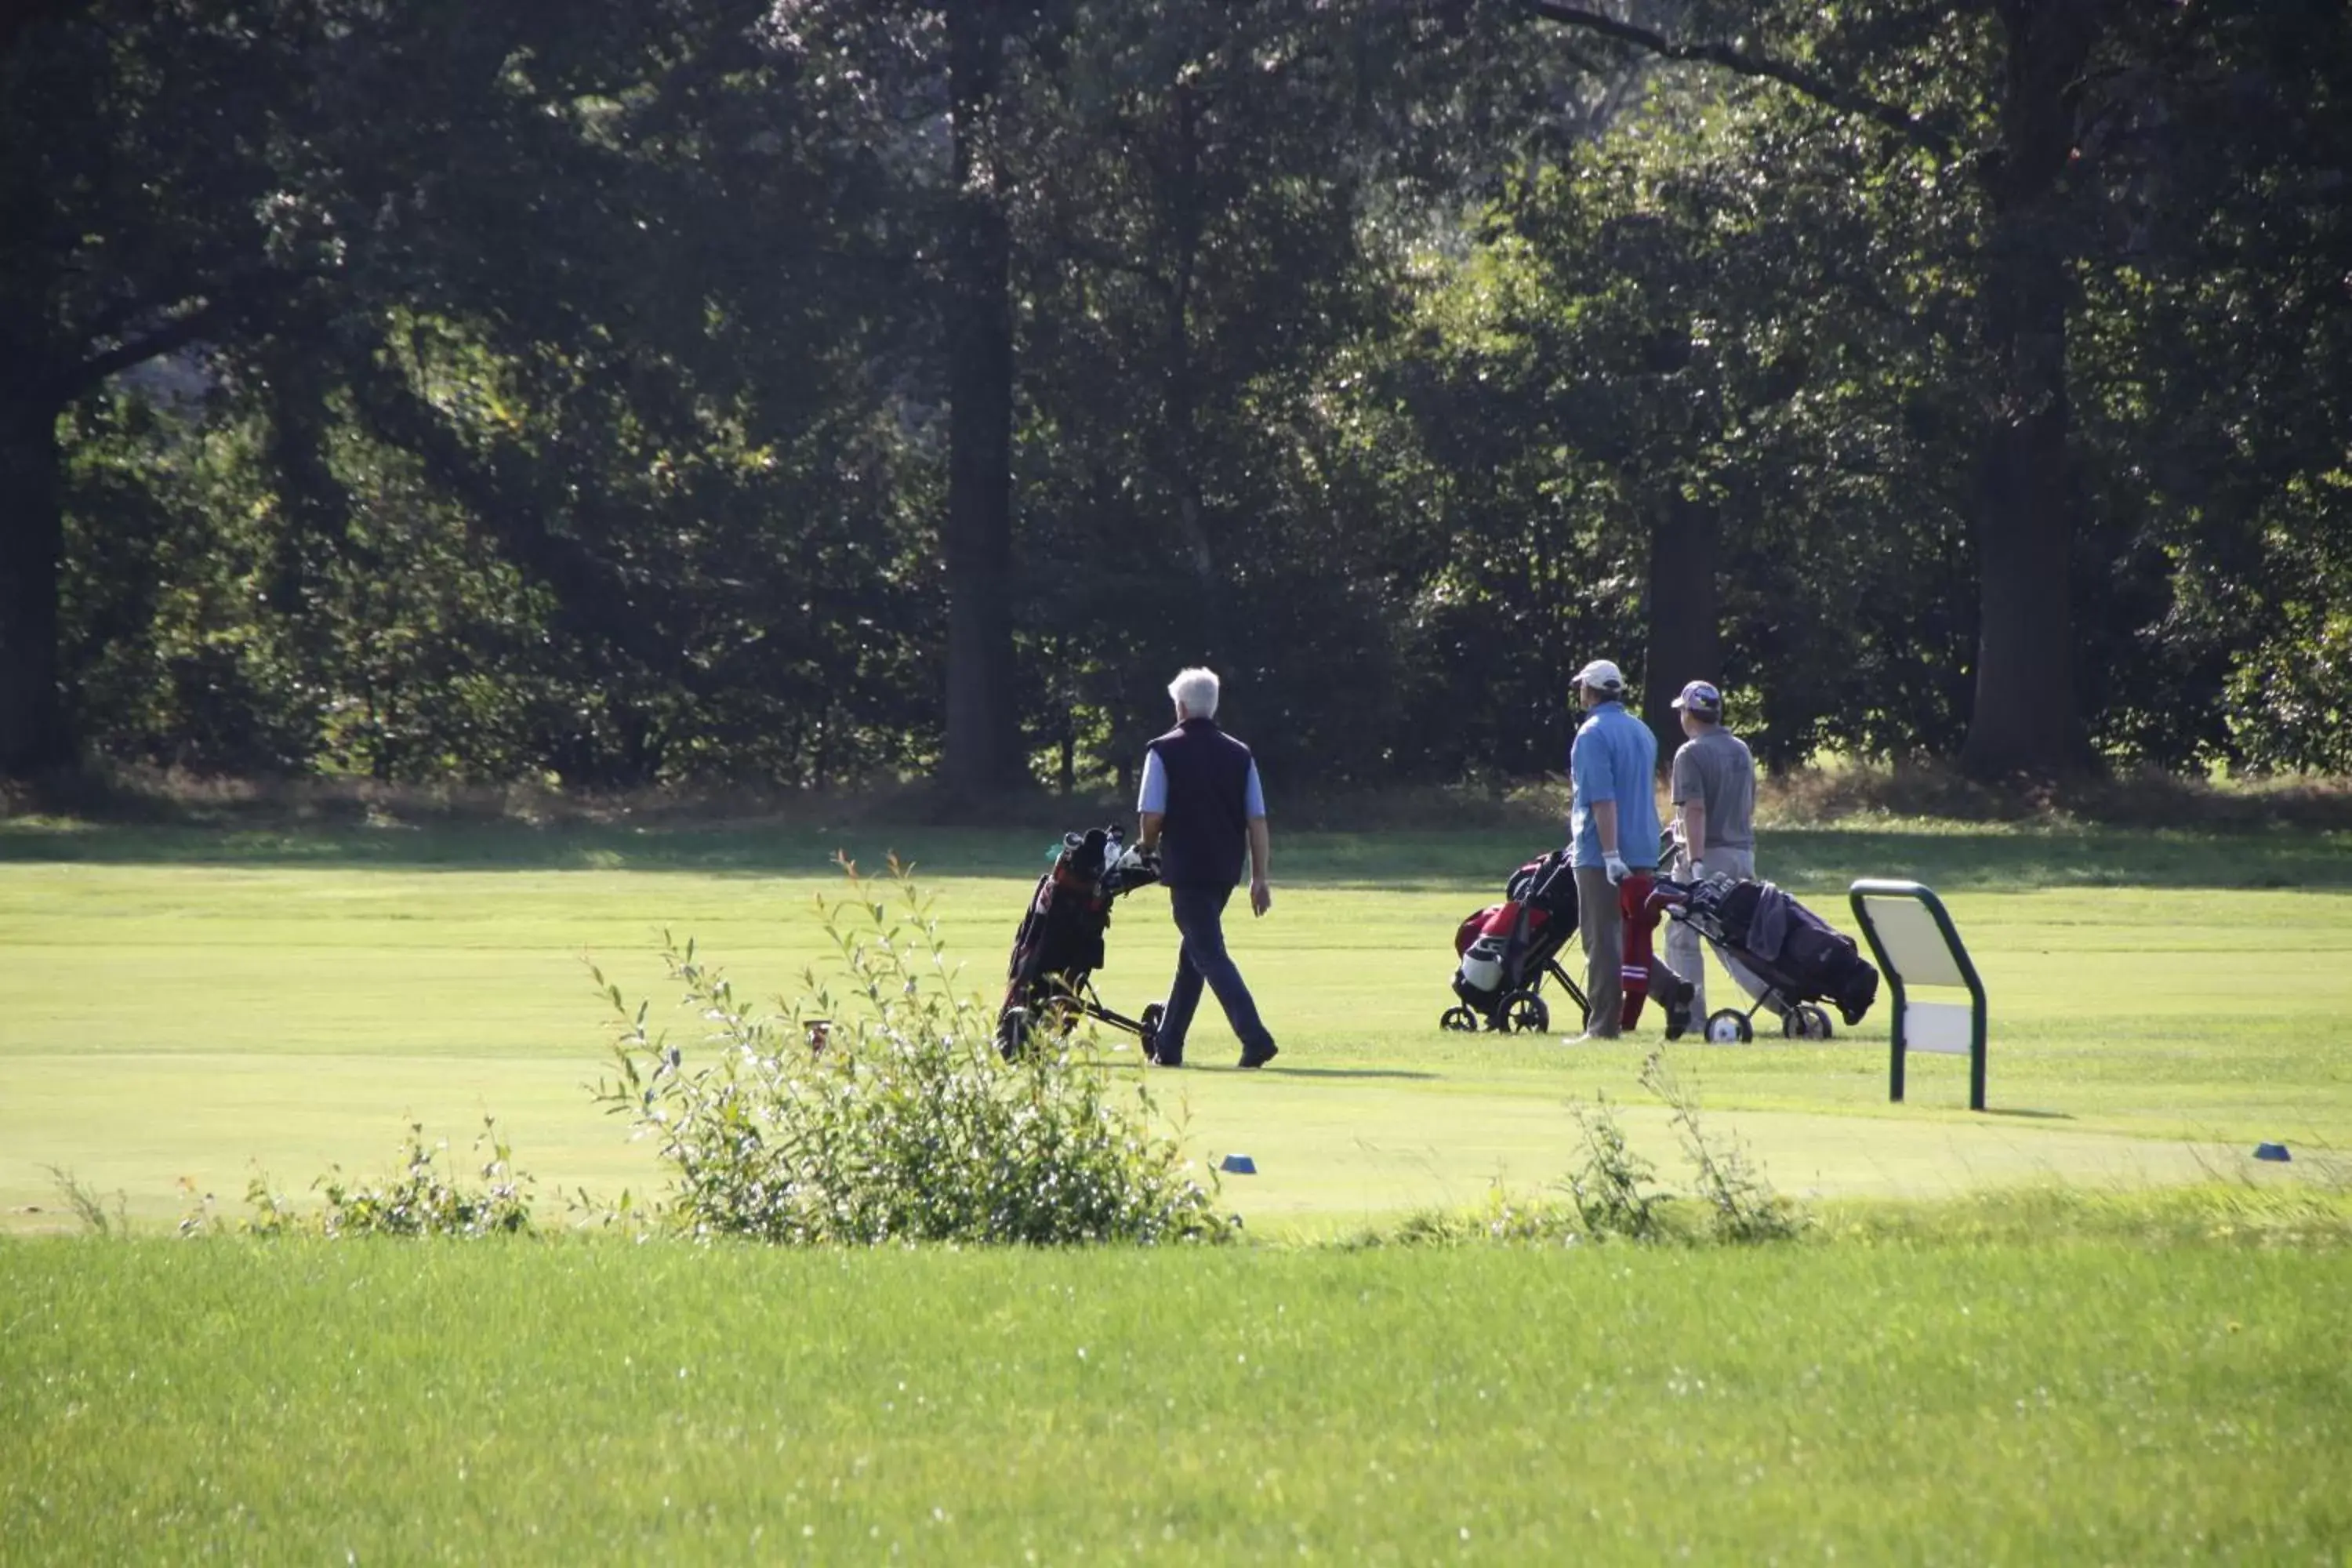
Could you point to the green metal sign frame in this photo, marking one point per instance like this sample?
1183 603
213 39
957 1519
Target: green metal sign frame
1859 897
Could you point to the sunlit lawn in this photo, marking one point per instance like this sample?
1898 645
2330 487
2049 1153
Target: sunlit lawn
180 1007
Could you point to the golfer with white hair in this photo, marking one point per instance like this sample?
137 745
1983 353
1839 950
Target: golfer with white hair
1201 807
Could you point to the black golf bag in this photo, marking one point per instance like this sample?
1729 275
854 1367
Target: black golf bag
1797 955
1506 950
1049 983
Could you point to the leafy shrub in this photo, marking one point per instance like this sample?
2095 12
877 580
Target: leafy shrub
1613 1190
876 1109
419 1201
1505 1218
88 1205
1737 1199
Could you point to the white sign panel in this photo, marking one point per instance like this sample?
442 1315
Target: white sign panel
1945 1026
1913 940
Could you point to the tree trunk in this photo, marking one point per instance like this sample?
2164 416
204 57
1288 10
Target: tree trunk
1191 516
316 512
1686 642
34 735
983 725
2025 719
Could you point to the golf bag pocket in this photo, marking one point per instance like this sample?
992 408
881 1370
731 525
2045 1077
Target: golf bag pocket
1486 944
1482 967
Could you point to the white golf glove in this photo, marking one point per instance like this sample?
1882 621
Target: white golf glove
1614 864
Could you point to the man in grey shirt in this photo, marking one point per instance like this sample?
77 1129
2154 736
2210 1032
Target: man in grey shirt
1714 789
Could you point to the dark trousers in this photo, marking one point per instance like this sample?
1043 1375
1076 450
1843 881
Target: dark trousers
1200 919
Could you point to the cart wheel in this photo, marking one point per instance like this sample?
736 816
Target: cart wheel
1813 1023
1012 1032
1458 1019
1792 1024
1149 1035
1729 1028
1523 1011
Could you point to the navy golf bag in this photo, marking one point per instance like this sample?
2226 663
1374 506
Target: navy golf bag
1049 982
1797 955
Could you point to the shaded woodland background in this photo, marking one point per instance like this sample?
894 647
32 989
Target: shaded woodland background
619 394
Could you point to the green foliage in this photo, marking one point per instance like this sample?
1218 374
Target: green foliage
1614 1192
421 1199
442 394
1731 1189
876 1108
88 1205
1504 1218
1614 1189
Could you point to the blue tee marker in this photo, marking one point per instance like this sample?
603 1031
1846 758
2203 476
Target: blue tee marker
2272 1151
1239 1164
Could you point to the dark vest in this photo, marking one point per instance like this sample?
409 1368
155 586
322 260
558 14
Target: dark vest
1204 836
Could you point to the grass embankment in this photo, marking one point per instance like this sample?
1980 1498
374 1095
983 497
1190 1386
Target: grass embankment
597 1402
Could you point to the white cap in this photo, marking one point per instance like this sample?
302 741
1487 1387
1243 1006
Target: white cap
1602 674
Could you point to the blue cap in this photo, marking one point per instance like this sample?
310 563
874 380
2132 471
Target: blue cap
1702 699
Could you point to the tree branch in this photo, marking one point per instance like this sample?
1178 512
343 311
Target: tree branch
1901 121
174 334
1081 249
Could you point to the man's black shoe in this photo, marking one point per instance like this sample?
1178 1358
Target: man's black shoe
1259 1058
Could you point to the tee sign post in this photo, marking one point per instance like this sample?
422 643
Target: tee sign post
1915 943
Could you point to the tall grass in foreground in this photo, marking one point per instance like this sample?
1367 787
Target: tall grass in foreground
595 1401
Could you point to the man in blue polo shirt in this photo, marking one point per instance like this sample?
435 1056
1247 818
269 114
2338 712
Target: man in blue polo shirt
1614 832
1201 804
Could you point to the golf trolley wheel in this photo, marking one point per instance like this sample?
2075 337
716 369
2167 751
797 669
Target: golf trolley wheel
1150 1038
1458 1019
1012 1032
1727 1027
1805 1022
1525 1011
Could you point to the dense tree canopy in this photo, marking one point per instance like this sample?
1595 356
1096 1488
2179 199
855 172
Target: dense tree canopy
809 391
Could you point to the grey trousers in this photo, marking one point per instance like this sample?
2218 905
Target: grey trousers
1686 954
1602 925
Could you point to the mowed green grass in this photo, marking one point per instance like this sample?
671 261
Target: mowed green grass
183 1007
598 1402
